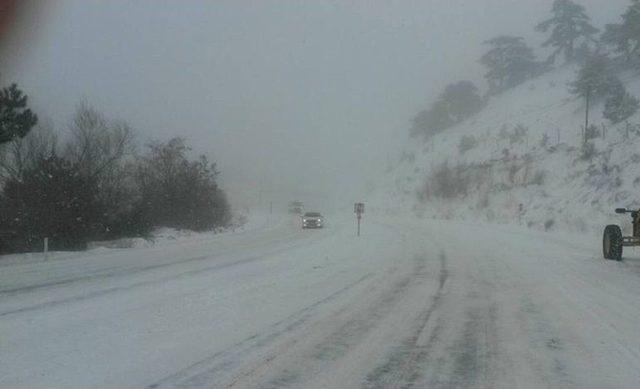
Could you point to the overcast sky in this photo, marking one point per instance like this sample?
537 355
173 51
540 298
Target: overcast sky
293 99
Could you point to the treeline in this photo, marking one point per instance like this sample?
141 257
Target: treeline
509 62
94 184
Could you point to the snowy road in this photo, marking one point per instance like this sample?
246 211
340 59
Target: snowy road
408 304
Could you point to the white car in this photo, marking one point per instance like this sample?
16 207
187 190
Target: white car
312 220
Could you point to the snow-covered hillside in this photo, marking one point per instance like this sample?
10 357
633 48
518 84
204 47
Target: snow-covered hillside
524 162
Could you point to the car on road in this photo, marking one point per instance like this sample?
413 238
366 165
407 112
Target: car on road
312 220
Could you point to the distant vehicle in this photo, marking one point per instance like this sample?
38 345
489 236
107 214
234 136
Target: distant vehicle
312 220
296 207
612 239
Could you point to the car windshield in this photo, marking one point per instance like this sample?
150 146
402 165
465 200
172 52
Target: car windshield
320 194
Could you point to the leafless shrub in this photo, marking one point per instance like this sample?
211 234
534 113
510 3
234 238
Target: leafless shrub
448 182
588 151
604 176
518 134
407 157
538 178
467 142
544 142
549 224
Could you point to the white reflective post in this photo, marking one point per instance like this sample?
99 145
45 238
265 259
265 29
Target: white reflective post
46 248
358 208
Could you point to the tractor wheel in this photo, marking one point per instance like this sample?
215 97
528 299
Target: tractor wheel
612 242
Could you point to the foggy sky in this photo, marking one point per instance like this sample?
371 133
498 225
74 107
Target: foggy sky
293 99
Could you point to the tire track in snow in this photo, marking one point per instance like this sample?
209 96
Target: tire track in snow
128 272
299 356
401 369
474 351
204 372
545 341
118 271
330 348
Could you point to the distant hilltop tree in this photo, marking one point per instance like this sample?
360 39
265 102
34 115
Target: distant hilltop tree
431 121
625 36
456 103
16 119
569 25
509 62
463 100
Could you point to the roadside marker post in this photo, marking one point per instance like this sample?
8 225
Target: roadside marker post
46 248
358 209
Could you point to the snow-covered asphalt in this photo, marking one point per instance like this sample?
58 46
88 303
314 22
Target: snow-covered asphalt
408 304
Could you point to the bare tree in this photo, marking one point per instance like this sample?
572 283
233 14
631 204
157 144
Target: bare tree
180 192
97 145
22 153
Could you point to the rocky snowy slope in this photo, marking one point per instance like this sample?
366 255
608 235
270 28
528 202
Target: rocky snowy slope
523 160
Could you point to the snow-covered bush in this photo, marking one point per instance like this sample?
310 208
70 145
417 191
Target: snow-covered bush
448 182
549 224
588 151
592 132
467 142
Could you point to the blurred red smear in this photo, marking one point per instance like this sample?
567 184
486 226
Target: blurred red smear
8 11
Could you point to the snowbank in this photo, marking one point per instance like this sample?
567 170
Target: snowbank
159 238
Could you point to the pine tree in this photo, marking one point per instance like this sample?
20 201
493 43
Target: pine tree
510 62
625 37
568 25
619 105
16 120
594 79
462 100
